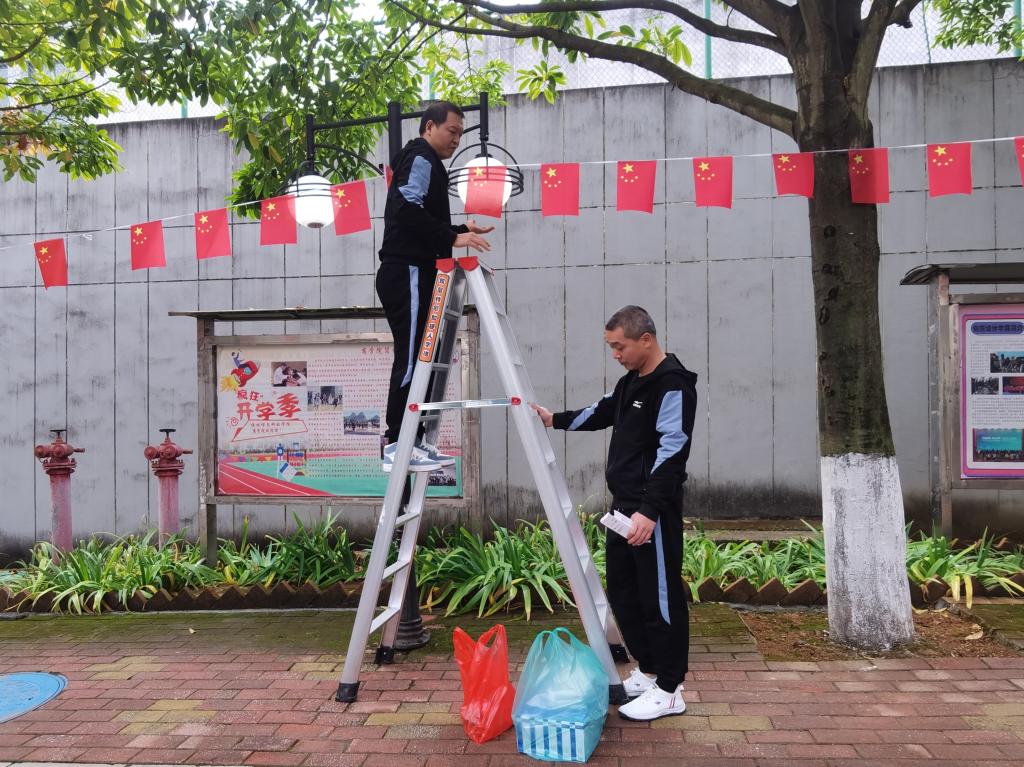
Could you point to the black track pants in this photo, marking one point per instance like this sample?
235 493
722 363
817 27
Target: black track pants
404 293
646 592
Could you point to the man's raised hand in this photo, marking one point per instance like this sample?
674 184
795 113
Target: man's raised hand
475 228
471 240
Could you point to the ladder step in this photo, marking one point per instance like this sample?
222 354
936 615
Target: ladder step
394 568
464 404
407 517
384 617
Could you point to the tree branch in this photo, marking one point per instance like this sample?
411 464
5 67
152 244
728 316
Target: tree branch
864 60
32 84
48 102
770 14
696 21
765 112
30 128
901 16
25 52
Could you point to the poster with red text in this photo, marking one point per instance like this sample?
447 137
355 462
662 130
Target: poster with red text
306 420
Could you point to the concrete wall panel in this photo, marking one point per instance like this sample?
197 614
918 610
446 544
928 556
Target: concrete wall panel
729 289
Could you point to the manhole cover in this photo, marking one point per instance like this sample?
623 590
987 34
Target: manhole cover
28 690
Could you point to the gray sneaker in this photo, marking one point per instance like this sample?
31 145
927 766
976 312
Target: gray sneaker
434 454
418 461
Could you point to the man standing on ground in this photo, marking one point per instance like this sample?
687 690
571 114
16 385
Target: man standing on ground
417 231
651 412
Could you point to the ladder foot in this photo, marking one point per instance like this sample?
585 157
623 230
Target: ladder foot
617 694
385 656
347 692
619 654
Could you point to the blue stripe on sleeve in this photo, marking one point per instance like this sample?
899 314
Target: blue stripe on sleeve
670 426
588 411
415 189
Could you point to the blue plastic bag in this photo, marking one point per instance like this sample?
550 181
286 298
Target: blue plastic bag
561 699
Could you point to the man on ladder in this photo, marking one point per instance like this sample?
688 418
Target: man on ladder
417 231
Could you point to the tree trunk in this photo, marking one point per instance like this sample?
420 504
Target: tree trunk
862 503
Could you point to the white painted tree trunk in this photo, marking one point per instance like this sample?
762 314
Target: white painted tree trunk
865 551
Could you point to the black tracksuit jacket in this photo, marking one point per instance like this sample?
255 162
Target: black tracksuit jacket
652 419
417 220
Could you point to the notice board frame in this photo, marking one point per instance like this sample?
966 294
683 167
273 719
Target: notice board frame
207 343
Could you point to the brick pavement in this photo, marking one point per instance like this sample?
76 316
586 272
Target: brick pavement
257 689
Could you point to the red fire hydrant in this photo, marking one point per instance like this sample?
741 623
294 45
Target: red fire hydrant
59 466
167 467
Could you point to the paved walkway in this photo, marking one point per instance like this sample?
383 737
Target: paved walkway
257 689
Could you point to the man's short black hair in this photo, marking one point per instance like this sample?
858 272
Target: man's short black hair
437 113
634 321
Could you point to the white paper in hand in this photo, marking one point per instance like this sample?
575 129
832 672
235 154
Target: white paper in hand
617 522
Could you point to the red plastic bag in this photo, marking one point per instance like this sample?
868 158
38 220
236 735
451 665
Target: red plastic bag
487 694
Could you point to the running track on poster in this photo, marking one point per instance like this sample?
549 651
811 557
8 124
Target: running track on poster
232 480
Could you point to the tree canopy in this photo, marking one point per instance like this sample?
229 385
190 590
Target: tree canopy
65 65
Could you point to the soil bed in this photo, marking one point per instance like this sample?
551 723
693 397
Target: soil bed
802 636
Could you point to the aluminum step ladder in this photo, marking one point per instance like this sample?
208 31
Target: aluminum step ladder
425 406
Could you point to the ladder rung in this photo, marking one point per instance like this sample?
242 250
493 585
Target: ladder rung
464 404
384 617
394 568
407 517
440 366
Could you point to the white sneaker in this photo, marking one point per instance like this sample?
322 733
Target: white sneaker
436 455
637 683
654 704
419 461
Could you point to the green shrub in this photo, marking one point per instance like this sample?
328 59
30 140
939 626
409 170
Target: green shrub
457 571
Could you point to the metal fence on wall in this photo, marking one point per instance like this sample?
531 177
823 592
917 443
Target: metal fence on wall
716 58
712 58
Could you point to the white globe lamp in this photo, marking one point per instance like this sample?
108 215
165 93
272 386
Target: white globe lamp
314 208
491 169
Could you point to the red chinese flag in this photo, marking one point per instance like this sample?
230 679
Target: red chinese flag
634 189
213 236
53 262
949 169
794 173
1018 149
148 245
351 210
388 174
869 175
277 221
712 181
485 188
560 189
